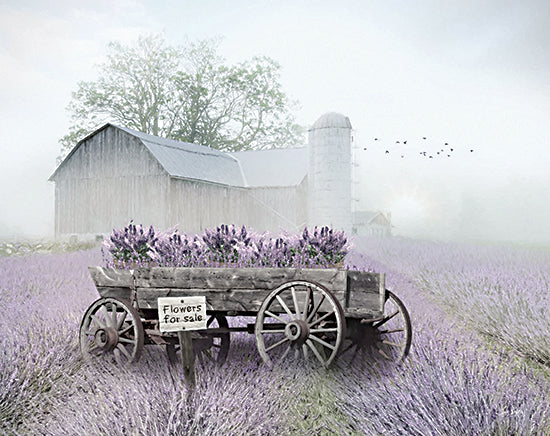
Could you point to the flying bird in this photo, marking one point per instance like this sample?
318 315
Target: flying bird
376 139
404 142
387 151
365 148
452 149
446 143
423 137
471 151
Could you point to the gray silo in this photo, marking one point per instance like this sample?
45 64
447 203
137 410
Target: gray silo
329 172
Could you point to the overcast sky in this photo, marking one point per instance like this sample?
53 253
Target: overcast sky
474 74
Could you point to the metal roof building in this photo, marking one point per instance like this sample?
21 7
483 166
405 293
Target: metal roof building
117 174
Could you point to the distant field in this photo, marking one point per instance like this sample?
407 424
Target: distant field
479 363
25 248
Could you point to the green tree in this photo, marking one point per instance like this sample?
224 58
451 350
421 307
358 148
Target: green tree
188 94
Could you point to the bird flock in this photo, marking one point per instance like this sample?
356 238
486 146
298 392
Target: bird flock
426 150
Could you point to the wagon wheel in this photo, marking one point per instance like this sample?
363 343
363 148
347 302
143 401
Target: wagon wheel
300 319
208 347
111 329
387 338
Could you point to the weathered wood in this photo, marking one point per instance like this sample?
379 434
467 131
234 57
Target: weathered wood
110 277
361 294
239 300
365 292
120 293
187 358
236 278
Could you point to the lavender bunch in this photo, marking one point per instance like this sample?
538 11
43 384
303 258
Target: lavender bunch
131 246
173 249
227 245
223 243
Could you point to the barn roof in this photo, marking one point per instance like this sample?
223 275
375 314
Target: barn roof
274 167
368 217
192 161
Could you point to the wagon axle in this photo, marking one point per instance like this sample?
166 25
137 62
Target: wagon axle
297 331
106 338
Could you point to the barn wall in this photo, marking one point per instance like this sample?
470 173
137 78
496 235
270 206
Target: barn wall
108 180
194 206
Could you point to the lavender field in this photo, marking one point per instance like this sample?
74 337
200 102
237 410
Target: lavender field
479 363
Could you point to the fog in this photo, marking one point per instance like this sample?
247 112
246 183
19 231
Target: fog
472 74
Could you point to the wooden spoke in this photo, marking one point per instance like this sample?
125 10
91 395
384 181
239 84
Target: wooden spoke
272 315
384 354
295 301
118 358
281 342
123 350
385 332
320 341
323 330
284 306
390 343
125 330
316 308
283 356
116 329
105 313
121 320
306 304
318 320
299 332
114 315
386 319
315 351
217 350
127 341
98 321
208 355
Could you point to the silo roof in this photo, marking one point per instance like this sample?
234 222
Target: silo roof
332 119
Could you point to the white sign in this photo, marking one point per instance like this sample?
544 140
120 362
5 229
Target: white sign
182 313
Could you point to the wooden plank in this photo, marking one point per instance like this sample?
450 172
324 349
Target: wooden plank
187 359
120 293
221 299
365 292
110 277
235 278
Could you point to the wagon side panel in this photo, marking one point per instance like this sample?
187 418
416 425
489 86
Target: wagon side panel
111 282
228 289
365 295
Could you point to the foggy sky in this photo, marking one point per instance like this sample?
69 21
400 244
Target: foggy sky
470 73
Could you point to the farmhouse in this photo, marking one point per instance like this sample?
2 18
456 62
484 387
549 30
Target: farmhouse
116 174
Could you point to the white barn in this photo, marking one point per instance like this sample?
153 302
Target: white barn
116 174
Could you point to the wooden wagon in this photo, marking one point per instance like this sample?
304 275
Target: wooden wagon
306 314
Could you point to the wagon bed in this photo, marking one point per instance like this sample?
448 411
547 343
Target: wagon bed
240 290
302 313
